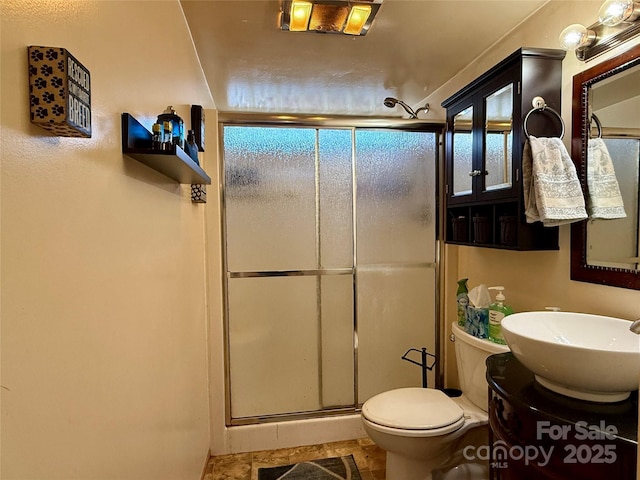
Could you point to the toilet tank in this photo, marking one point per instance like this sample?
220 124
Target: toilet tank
471 356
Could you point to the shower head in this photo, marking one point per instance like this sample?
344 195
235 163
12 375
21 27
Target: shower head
391 102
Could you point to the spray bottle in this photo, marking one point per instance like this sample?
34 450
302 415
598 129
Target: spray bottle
497 311
462 299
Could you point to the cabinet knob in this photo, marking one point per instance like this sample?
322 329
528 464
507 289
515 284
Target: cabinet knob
476 173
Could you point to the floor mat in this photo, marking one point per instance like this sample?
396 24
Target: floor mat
341 468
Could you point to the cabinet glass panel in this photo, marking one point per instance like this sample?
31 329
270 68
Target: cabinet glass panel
462 152
498 139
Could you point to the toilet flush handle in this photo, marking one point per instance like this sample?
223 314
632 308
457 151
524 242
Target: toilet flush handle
452 338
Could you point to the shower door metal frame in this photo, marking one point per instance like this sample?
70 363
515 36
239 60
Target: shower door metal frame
346 123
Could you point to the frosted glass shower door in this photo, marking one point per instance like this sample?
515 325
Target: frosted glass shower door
318 311
289 256
395 256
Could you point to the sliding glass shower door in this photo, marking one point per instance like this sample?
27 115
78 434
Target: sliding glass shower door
289 244
330 265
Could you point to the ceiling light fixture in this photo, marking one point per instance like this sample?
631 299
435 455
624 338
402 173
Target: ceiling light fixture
328 16
617 23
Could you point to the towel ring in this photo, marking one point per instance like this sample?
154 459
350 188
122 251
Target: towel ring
595 120
542 109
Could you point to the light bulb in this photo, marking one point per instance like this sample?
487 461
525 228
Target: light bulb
576 36
614 12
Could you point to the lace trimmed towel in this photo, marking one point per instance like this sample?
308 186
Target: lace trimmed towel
605 200
552 192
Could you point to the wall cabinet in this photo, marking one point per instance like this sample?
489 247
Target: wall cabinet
483 151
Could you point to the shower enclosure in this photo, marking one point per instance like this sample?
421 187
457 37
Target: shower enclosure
331 265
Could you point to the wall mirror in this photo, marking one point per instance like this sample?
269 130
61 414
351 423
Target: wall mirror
606 102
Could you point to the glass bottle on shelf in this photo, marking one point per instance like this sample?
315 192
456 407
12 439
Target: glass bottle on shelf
177 125
157 137
167 136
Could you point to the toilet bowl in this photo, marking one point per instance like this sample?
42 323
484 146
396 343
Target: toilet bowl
424 431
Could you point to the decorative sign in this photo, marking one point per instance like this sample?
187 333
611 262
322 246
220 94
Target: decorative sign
60 92
198 193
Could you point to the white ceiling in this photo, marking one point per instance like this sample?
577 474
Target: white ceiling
413 47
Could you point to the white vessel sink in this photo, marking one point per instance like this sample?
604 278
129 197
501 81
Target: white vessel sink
589 357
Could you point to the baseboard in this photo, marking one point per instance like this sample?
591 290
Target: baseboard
206 465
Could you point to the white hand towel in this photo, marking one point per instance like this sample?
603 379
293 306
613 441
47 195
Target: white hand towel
605 200
552 190
530 209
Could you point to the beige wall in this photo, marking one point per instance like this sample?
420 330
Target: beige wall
104 359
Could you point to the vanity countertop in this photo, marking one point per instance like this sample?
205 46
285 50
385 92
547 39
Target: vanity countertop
509 378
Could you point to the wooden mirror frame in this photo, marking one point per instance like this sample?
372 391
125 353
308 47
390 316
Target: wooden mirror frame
582 83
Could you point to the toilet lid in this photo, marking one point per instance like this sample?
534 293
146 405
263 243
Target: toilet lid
412 409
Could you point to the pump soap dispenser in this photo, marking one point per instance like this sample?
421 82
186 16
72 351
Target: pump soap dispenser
497 311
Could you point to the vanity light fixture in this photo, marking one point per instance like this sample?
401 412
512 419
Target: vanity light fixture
328 16
617 23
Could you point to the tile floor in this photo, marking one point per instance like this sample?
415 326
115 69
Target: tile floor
369 458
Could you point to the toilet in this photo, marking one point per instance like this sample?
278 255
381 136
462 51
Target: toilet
425 432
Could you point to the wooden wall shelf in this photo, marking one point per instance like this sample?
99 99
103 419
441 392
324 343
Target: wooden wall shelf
175 164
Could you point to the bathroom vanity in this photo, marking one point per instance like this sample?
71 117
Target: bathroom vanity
536 434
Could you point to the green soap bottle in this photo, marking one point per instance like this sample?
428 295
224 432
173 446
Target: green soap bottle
497 311
463 300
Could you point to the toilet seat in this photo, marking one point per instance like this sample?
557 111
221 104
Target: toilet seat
414 412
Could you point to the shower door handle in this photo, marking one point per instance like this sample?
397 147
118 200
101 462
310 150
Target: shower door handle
477 173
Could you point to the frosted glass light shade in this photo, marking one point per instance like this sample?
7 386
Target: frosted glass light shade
615 12
300 14
357 18
576 36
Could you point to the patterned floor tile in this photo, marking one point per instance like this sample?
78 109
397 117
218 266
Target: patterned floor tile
369 458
